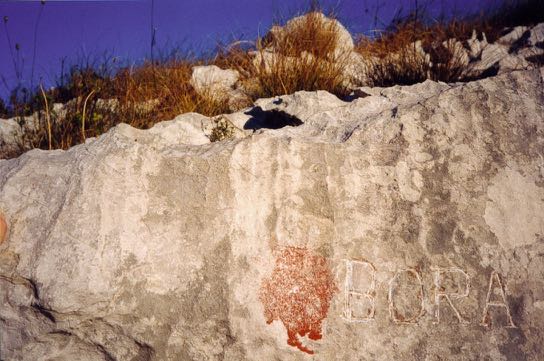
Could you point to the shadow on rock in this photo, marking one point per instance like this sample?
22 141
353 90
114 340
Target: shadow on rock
270 119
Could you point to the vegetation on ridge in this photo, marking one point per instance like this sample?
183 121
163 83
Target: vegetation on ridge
304 58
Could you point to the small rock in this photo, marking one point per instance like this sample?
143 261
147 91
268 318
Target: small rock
475 45
514 35
214 81
537 34
460 54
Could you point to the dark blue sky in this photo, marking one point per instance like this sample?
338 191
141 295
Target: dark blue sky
77 30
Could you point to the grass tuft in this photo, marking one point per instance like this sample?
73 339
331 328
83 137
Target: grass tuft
305 55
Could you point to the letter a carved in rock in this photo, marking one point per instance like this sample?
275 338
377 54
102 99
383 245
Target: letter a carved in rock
486 321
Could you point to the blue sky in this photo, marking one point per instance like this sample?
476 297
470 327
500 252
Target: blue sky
93 30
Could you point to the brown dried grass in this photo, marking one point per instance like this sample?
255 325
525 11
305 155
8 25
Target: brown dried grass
301 57
394 58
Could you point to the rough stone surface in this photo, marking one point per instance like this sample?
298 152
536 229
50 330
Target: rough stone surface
13 131
404 225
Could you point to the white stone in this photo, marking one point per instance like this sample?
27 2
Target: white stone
537 34
515 34
213 81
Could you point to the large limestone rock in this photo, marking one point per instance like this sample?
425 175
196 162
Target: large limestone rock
404 225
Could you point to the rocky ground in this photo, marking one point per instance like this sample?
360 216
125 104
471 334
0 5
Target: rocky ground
405 223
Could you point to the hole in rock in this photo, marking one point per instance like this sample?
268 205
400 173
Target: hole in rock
270 119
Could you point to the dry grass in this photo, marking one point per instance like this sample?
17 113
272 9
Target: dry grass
304 56
311 34
275 75
140 96
394 57
412 52
166 90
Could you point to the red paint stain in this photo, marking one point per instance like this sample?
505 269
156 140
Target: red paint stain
298 293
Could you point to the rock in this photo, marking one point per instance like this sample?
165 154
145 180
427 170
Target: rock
302 104
16 133
353 65
19 134
263 59
537 35
220 84
10 135
476 46
356 70
268 61
513 51
188 128
499 57
414 52
512 36
213 81
404 225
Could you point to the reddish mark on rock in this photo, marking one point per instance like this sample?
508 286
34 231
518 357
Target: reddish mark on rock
298 293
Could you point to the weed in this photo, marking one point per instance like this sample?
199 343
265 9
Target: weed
223 129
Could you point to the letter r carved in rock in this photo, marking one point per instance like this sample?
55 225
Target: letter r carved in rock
440 291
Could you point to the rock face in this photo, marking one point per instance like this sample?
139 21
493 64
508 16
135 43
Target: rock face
404 225
221 84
